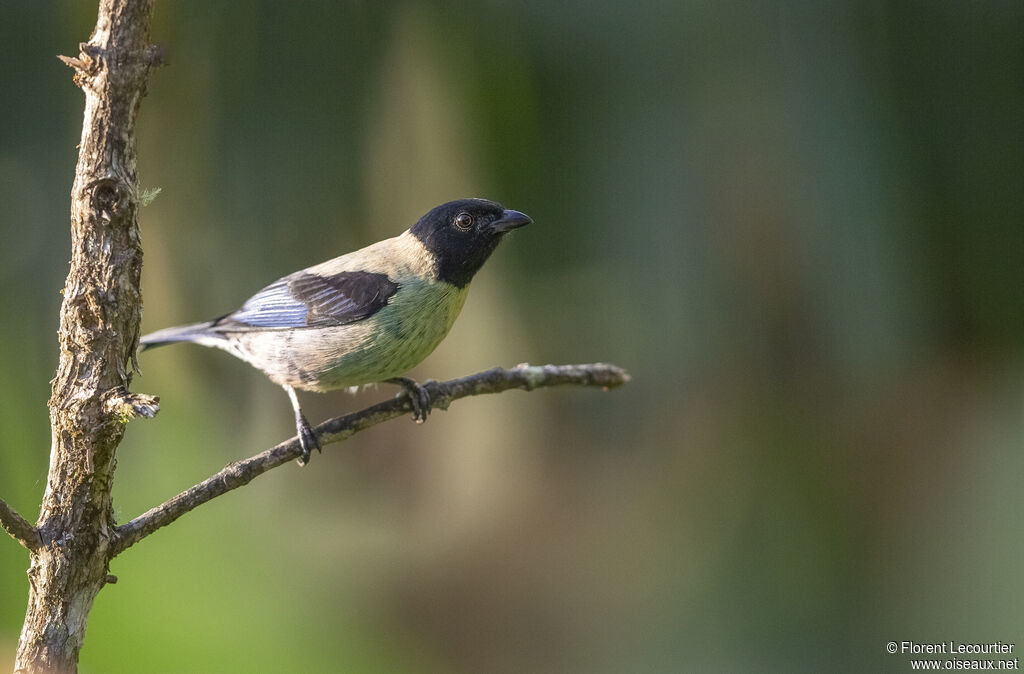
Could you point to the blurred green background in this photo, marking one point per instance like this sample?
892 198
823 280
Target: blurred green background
799 225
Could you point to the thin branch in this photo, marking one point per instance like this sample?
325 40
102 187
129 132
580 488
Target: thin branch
338 429
18 527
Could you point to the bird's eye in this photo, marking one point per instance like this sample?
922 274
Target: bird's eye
463 221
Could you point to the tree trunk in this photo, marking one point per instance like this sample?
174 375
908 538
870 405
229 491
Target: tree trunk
99 326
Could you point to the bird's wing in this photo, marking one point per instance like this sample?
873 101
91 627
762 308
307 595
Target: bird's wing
310 300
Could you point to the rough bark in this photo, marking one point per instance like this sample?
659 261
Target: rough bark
98 333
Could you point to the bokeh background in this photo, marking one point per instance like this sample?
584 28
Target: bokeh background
799 225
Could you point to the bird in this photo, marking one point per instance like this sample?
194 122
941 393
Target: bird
365 317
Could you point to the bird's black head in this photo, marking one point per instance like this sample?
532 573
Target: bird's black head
462 234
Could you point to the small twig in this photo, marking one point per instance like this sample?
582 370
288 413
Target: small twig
442 394
18 527
126 406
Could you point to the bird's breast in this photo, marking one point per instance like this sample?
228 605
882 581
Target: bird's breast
388 344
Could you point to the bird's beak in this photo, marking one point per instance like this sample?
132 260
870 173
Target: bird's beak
510 220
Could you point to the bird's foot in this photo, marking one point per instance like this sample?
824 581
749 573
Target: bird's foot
418 396
307 438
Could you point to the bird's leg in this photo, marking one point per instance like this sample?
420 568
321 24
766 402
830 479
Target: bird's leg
418 396
307 436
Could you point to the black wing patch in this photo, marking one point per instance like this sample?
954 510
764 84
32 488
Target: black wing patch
306 300
345 297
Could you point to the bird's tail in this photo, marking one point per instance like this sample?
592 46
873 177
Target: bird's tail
200 333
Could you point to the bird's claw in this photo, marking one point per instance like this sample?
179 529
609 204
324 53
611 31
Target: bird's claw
420 403
419 397
308 439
